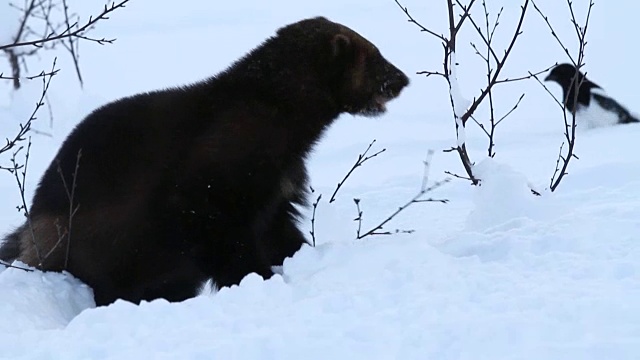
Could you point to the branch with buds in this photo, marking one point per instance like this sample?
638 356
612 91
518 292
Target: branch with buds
564 157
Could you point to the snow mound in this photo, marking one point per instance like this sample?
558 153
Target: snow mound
503 198
37 300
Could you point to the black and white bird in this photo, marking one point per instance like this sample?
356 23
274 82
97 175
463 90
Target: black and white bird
593 108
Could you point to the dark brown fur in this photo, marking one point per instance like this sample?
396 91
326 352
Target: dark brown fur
183 185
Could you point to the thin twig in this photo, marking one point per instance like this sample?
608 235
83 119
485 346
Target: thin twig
361 159
557 169
492 118
424 189
6 264
24 129
526 77
42 74
313 220
376 230
75 33
422 28
458 176
499 66
72 48
480 125
73 209
510 111
548 91
430 73
485 37
359 218
466 13
546 19
22 170
570 127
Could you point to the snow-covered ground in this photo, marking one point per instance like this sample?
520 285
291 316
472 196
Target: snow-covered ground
496 273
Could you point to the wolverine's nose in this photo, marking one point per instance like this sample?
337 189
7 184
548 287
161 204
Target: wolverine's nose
397 81
403 80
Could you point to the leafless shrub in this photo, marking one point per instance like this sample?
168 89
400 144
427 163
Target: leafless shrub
25 128
45 25
569 121
379 229
462 111
494 61
418 198
362 158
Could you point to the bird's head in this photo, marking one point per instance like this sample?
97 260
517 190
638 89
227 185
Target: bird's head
564 75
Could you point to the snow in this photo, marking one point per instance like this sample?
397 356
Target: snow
37 300
515 198
496 273
460 103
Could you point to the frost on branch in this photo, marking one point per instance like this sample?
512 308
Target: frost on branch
459 103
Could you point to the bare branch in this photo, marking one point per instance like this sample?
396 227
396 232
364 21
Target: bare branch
449 46
480 125
453 27
429 73
42 74
557 169
495 24
72 45
422 28
23 22
458 176
479 53
485 37
548 91
72 208
492 77
77 32
492 118
570 126
21 182
510 111
24 129
424 189
361 159
466 10
499 66
66 232
359 218
377 230
526 77
553 32
313 220
6 264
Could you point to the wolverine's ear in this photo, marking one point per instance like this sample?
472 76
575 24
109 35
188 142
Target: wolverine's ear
340 45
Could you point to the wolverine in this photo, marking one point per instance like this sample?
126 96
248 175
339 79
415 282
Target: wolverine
152 195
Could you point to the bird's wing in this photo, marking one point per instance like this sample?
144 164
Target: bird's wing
609 104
